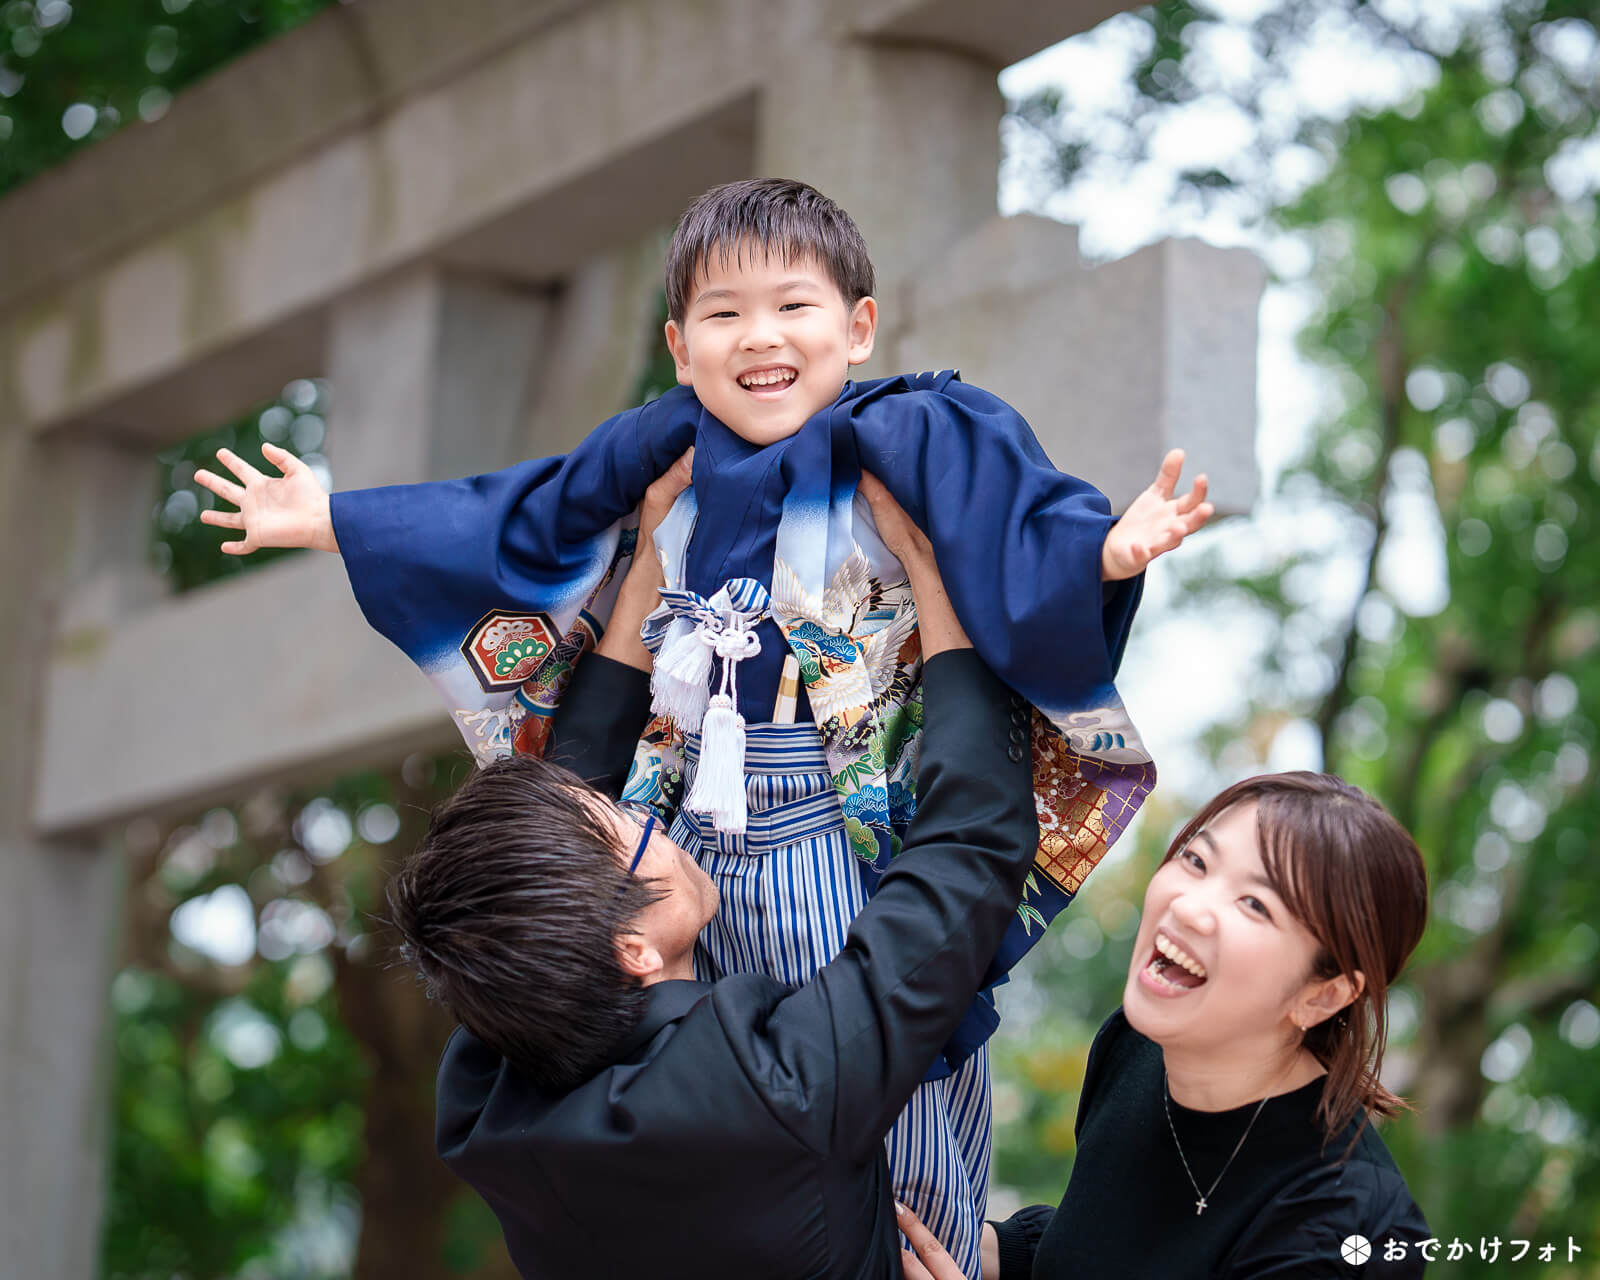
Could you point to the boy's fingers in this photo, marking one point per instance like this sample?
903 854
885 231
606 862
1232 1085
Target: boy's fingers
240 548
1171 469
280 457
223 519
1194 497
242 469
224 489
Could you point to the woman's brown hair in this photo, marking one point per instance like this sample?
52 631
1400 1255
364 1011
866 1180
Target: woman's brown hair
1354 878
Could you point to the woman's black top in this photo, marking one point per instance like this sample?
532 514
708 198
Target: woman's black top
1286 1206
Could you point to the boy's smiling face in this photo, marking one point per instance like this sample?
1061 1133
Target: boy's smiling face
766 343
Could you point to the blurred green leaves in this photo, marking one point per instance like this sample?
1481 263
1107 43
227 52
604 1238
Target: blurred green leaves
1455 476
71 74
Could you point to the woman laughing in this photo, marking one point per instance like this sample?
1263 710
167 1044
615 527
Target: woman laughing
1224 1125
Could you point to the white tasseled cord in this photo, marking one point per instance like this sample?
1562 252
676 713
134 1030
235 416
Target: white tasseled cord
719 782
682 673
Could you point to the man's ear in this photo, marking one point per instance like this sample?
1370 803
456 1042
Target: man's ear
863 329
1319 1001
638 957
679 346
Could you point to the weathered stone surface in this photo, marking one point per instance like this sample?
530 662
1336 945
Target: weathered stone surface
432 148
276 676
67 516
1112 365
268 677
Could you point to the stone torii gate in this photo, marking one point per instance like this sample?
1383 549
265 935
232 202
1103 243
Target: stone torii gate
454 213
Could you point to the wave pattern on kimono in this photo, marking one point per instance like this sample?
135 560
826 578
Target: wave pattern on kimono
497 585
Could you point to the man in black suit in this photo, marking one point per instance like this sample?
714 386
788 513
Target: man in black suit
619 1116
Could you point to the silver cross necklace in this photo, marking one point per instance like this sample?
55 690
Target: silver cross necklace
1205 1196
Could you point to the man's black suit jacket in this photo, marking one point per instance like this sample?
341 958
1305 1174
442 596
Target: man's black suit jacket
739 1132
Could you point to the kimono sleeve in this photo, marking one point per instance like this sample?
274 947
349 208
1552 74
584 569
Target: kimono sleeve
1018 542
426 561
497 585
1019 545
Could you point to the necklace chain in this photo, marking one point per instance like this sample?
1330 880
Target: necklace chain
1204 1196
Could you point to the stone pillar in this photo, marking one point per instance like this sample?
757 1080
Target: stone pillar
906 138
1113 364
429 374
74 521
603 333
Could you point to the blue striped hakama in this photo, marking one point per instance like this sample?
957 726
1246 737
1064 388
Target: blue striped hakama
790 887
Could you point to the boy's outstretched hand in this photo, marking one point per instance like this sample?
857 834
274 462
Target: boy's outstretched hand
290 510
1155 522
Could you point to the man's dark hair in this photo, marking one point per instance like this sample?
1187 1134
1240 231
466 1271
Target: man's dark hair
511 908
777 216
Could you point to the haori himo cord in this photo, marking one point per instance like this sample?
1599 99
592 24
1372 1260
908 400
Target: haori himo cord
787 660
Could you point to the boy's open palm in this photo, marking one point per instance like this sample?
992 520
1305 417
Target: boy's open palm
290 510
1156 521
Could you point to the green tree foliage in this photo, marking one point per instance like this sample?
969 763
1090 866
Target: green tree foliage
272 1108
72 74
1454 255
272 1087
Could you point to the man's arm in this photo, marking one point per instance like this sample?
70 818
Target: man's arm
607 703
849 1047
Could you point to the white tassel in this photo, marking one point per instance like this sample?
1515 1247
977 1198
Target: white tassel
719 782
680 686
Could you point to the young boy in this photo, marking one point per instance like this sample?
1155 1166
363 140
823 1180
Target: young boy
787 666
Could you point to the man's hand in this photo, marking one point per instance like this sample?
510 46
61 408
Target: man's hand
1156 522
641 589
658 500
290 510
936 616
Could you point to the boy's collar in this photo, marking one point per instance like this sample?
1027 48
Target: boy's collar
722 445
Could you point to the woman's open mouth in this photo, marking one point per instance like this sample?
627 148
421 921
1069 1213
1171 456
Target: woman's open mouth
1171 968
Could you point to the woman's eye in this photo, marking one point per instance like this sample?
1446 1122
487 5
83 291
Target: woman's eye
1193 859
1259 907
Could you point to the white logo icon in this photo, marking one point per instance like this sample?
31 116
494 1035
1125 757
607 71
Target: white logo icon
1356 1250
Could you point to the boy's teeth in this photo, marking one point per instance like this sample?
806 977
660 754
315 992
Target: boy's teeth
766 379
1179 957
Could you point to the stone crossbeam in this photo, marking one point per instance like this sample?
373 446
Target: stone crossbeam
419 130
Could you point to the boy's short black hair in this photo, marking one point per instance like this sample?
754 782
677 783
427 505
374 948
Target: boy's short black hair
511 908
778 215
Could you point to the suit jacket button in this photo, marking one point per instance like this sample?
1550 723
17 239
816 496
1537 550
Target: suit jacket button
1019 736
1019 717
1015 753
